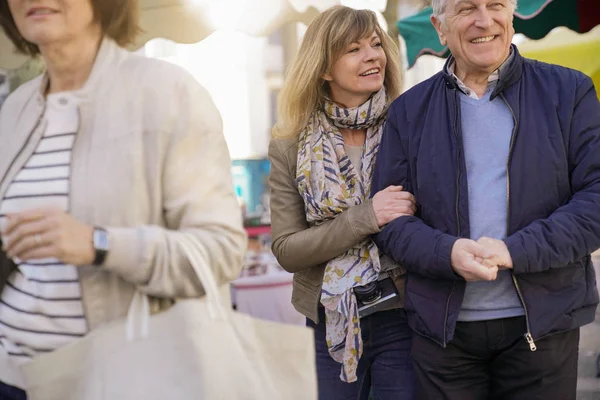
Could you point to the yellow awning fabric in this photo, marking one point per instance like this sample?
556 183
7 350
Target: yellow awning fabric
569 49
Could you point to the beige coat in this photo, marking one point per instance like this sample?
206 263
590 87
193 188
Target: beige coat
305 250
149 164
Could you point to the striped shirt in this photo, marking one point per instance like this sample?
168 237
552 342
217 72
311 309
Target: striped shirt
41 307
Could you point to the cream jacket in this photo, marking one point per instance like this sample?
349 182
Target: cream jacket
149 164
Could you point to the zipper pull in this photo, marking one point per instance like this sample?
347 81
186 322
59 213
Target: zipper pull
529 339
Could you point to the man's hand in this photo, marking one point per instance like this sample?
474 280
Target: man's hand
465 253
391 203
48 233
498 254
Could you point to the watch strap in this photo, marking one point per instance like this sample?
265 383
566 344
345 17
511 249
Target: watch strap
100 246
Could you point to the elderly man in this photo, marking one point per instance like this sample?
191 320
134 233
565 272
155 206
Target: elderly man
503 156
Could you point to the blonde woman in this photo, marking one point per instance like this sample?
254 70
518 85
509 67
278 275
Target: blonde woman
331 114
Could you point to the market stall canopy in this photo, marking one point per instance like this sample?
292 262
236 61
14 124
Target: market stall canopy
263 17
533 18
190 21
569 49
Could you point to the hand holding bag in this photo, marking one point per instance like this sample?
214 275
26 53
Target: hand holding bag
197 349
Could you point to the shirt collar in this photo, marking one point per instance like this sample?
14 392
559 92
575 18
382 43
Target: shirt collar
492 79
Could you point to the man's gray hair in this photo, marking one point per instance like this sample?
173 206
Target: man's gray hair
439 7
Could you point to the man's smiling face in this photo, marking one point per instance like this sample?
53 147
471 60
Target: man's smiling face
477 32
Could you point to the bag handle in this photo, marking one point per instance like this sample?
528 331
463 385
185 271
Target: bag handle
138 316
198 261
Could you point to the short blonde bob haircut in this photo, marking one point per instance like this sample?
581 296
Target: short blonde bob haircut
119 20
324 42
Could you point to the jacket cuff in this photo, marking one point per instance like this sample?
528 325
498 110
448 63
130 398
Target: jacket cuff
443 251
362 219
517 254
126 254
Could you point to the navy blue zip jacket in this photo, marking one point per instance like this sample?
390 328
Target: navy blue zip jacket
553 196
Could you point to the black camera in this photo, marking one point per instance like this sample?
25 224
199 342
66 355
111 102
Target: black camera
375 296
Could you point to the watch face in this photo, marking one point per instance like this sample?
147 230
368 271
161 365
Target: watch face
100 239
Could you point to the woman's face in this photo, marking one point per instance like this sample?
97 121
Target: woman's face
47 22
358 73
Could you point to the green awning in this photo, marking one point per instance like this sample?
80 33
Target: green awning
533 18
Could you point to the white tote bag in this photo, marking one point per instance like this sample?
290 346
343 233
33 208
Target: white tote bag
197 349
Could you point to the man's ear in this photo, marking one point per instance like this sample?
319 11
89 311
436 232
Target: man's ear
437 24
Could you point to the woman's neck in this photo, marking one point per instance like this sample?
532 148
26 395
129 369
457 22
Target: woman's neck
350 101
354 137
69 64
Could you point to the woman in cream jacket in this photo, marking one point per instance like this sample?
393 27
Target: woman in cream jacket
106 160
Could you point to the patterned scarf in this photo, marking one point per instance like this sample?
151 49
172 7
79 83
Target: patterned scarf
329 185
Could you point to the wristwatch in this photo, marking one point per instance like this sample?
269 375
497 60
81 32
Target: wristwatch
100 245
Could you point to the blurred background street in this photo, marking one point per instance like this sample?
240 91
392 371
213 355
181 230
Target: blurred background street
588 385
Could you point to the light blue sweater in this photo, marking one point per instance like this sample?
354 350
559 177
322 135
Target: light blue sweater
487 128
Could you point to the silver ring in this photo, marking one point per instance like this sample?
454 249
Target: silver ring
38 239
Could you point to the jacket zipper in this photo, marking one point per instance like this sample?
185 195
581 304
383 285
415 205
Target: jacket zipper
75 141
458 153
527 335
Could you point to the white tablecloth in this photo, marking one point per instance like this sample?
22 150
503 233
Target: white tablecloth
267 296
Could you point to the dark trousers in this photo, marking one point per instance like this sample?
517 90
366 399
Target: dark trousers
492 360
11 393
385 368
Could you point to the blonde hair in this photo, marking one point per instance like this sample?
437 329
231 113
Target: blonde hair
326 38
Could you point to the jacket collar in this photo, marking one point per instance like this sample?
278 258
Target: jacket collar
509 74
105 60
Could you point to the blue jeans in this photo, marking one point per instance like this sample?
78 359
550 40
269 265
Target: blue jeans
11 393
385 368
